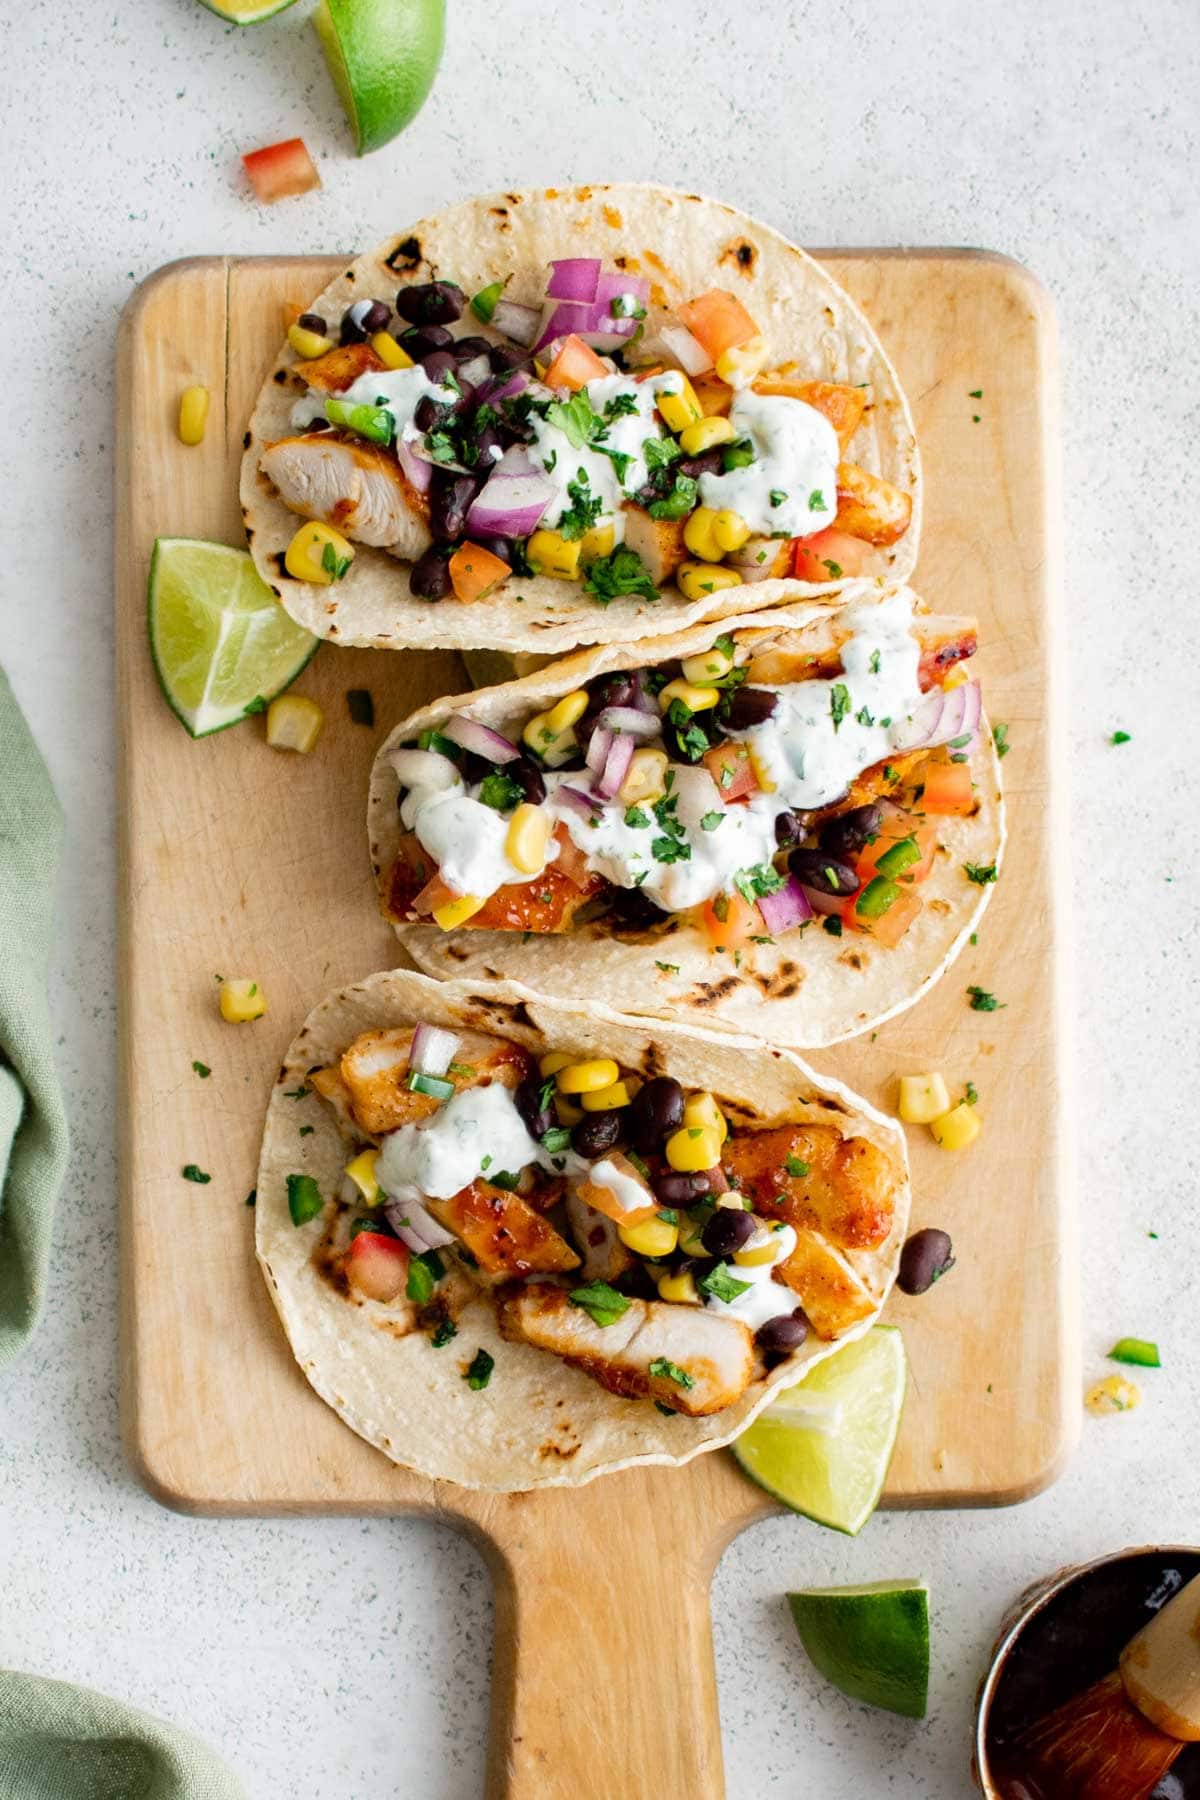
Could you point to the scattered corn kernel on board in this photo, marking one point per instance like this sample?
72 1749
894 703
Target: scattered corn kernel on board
238 860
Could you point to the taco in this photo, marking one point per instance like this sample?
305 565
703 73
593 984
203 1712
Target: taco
515 1244
787 823
540 420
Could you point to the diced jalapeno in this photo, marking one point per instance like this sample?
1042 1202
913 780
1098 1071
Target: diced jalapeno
878 897
372 422
901 856
431 1085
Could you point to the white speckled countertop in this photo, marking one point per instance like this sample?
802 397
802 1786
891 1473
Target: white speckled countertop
348 1660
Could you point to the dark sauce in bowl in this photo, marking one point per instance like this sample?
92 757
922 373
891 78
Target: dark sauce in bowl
1074 1638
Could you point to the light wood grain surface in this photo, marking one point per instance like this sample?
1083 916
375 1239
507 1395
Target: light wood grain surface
237 860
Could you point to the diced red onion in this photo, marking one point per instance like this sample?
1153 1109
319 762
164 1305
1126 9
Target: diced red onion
688 351
594 324
599 745
505 387
475 371
415 1226
617 282
512 499
786 908
941 716
757 558
587 804
432 1050
632 719
517 322
574 278
643 699
424 768
616 766
483 741
825 903
416 468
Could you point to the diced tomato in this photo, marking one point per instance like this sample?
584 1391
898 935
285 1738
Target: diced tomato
842 405
891 925
729 921
280 170
948 789
898 826
376 1266
828 555
718 320
571 861
606 1202
575 365
474 572
732 768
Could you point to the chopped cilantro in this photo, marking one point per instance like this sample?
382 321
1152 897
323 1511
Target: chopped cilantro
669 1371
680 500
753 883
832 924
602 1303
446 1330
777 496
584 510
202 1070
1120 737
1000 739
479 1370
839 703
620 460
506 1180
710 820
982 1001
816 501
575 419
721 1284
974 393
333 564
620 405
972 1094
670 850
864 717
874 663
636 819
424 1273
191 1173
795 1167
667 968
500 791
691 738
623 572
835 569
660 452
307 1130
556 1139
981 873
295 1093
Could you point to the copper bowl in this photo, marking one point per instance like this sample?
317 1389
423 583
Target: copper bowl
1033 1610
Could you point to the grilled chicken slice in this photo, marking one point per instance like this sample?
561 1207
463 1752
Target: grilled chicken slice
943 641
869 507
339 369
356 487
374 1076
847 1192
826 1286
505 1234
715 1354
841 404
547 904
659 543
331 1087
604 1255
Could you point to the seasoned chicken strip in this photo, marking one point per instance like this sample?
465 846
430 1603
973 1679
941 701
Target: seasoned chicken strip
339 369
943 641
826 1286
604 1255
504 1233
374 1073
356 487
847 1190
715 1355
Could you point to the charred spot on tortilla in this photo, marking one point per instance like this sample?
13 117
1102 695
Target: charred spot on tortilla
457 952
741 251
245 446
279 558
938 906
280 376
501 212
853 959
405 256
564 1453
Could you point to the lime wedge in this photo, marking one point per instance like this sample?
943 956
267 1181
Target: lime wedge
831 1467
246 12
383 56
220 640
872 1642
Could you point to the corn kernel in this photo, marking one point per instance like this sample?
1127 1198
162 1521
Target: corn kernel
957 1128
553 747
691 1235
680 1288
696 580
553 1061
608 1099
653 1237
956 677
309 344
738 366
762 1248
456 912
704 435
362 1173
596 543
569 710
702 1109
923 1098
566 1110
294 723
528 839
692 1148
711 666
242 1001
549 553
645 778
391 354
1114 1394
193 415
696 699
681 408
698 535
730 529
587 1077
318 553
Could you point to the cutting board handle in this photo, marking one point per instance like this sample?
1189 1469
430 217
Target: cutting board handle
604 1681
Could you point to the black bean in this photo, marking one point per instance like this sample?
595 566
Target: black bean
727 1230
527 1100
489 447
789 829
507 357
351 333
781 1335
674 1189
848 832
818 869
430 577
375 317
449 497
438 364
528 776
638 1282
422 340
655 1112
709 462
632 907
312 322
430 413
597 1133
607 690
924 1259
318 425
464 348
431 302
749 706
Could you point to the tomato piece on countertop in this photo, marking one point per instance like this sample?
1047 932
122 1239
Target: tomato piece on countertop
280 170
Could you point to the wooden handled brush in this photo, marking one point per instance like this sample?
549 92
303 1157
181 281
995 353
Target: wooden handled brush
1118 1738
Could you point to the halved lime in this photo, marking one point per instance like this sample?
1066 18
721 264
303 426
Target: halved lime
872 1642
220 640
383 56
832 1470
246 12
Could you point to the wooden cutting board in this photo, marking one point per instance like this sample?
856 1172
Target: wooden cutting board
237 860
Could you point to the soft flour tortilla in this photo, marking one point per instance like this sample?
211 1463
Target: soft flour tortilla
807 989
539 1423
683 244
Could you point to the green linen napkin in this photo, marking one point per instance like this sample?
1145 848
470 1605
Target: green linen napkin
33 1124
59 1742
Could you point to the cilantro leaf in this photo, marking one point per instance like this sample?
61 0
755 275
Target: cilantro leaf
602 1303
479 1371
575 419
623 572
839 703
981 873
795 1166
669 1371
721 1284
753 883
585 508
982 1001
500 791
